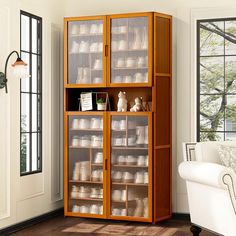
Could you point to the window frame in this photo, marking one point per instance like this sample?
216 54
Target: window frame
198 68
38 93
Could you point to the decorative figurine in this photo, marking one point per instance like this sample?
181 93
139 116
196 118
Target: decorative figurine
138 105
122 102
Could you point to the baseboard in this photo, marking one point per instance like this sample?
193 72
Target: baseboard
25 224
181 216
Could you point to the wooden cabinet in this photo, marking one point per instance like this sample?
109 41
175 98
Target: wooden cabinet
118 164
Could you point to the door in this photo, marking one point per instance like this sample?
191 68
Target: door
85 163
85 61
130 166
130 53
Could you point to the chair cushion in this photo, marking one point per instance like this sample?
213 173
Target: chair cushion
228 156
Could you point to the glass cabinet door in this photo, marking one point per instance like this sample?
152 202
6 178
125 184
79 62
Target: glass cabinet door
130 168
85 164
129 50
85 52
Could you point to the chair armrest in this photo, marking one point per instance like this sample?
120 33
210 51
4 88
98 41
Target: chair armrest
211 174
204 173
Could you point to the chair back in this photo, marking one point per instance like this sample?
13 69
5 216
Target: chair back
189 151
208 151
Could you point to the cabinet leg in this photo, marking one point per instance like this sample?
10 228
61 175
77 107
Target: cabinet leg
195 230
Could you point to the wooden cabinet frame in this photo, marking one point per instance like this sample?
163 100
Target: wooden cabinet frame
158 87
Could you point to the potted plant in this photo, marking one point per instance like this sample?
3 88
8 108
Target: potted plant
101 104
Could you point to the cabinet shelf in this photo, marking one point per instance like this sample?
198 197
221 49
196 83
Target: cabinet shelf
129 184
71 147
87 199
129 148
113 201
129 166
130 68
97 164
84 53
130 50
85 35
87 130
84 182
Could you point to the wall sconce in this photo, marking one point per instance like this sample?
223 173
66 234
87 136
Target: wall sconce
20 70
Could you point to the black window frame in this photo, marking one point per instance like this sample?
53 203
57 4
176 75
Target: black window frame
198 75
38 93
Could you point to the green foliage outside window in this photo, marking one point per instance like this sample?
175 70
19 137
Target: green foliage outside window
217 79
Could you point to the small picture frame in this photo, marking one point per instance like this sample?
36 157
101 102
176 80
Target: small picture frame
86 100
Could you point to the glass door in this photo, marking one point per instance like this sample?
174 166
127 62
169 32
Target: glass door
86 164
130 166
86 40
130 49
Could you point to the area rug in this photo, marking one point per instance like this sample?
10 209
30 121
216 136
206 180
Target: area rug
122 229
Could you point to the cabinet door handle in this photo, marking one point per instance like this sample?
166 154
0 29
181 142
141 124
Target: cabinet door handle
106 50
105 164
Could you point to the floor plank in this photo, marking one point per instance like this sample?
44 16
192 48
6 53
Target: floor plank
69 226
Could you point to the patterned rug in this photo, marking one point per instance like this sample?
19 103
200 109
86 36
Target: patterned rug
122 229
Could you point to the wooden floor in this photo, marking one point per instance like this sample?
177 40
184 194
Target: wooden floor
60 226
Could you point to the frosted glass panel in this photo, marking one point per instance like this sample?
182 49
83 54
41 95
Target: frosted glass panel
86 164
129 50
129 168
85 52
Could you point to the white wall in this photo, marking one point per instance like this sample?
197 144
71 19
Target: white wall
26 197
52 12
183 63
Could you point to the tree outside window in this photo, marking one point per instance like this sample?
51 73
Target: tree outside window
216 79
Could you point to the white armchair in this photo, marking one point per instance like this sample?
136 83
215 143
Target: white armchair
211 188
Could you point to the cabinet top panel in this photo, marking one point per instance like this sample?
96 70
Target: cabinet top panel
120 15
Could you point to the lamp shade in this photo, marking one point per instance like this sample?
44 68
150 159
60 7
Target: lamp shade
20 69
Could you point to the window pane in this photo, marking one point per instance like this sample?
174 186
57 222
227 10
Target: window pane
34 112
212 74
25 87
34 152
25 112
230 74
230 42
25 22
39 113
25 153
211 113
211 39
230 136
230 113
34 36
211 136
34 73
39 142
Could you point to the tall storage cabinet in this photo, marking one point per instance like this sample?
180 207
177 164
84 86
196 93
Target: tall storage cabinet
117 165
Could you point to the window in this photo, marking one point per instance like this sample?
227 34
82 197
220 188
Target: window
216 78
31 95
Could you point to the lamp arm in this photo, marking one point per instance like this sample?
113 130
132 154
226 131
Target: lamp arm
8 60
18 56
